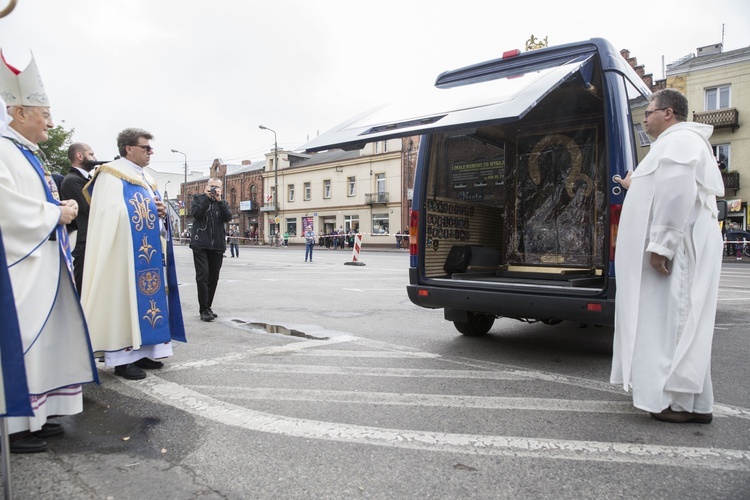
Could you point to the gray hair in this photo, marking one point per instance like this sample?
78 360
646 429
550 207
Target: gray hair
129 137
672 98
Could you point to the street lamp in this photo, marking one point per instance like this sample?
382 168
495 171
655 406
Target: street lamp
166 193
275 175
184 187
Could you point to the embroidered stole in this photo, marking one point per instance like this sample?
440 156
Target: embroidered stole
15 401
158 303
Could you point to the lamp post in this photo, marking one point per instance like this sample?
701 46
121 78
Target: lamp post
184 187
166 193
275 176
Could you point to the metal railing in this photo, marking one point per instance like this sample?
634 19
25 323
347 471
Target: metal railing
376 198
719 118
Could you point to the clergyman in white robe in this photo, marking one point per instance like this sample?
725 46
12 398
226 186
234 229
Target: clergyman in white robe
110 290
664 323
57 352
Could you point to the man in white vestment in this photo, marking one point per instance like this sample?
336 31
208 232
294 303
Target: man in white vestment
129 291
56 348
668 264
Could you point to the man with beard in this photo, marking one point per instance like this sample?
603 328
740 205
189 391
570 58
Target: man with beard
82 161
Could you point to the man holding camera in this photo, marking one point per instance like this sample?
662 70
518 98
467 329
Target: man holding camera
208 242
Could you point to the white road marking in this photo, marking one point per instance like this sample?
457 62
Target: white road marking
678 456
194 402
431 400
368 354
291 347
375 372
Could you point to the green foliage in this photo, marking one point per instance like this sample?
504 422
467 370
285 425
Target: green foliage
55 149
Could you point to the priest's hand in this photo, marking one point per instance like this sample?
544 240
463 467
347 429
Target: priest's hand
161 208
626 181
68 211
659 263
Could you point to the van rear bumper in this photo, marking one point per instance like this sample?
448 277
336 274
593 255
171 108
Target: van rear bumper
456 301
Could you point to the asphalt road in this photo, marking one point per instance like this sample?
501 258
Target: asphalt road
322 380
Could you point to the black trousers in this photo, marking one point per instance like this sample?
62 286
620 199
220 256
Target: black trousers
207 267
78 254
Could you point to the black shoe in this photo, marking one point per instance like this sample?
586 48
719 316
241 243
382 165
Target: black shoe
28 444
683 417
148 364
130 372
206 316
49 430
212 313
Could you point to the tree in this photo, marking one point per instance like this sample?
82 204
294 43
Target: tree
55 149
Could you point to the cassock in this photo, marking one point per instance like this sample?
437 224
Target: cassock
664 324
56 348
129 291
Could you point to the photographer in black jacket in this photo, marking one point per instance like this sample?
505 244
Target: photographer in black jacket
209 242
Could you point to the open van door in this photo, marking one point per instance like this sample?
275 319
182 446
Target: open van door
495 98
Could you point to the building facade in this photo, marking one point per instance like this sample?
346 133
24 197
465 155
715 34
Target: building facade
365 191
243 190
717 85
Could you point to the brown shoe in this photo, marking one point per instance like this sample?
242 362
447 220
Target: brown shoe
683 417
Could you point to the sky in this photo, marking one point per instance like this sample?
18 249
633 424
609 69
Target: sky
202 76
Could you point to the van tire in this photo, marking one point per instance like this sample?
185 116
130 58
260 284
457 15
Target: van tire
477 324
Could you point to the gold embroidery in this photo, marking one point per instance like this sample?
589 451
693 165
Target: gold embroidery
147 250
142 213
149 281
152 315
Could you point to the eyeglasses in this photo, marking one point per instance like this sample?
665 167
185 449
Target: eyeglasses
651 112
147 148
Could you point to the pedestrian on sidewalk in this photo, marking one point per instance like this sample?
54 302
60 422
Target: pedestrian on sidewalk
309 243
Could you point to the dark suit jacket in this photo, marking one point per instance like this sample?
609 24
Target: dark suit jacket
72 189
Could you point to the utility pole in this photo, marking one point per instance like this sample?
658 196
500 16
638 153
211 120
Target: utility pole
275 178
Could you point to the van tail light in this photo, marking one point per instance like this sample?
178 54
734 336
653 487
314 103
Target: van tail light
614 224
414 233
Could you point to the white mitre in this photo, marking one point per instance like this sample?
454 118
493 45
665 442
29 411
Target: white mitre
22 88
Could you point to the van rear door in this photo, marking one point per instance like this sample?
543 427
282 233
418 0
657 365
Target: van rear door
443 109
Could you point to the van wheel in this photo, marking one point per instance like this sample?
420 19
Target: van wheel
477 324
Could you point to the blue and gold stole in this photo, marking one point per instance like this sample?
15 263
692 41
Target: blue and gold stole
50 190
159 309
15 388
61 235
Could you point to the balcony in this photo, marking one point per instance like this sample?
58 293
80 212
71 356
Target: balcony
731 180
268 207
719 118
376 198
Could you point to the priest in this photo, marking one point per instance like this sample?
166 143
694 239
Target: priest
668 265
129 290
57 352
